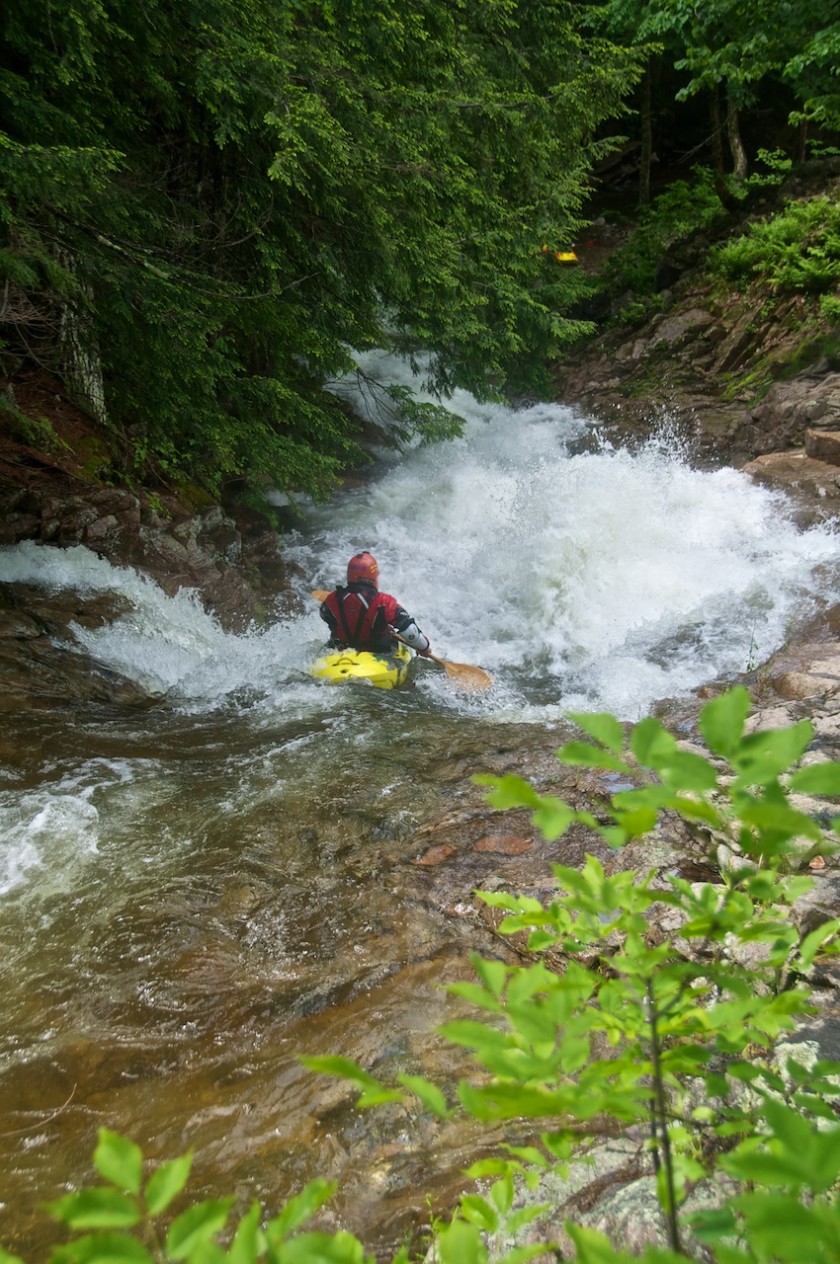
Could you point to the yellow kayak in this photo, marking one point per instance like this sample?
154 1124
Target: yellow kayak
385 671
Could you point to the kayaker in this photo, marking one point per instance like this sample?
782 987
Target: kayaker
363 618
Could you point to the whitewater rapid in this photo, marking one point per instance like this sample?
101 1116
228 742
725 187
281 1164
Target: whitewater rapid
581 575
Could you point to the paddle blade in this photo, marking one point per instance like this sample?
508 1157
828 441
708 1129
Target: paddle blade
465 675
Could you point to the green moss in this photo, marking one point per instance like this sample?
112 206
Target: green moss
38 432
95 459
194 497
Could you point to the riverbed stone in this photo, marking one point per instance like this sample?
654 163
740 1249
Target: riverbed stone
823 445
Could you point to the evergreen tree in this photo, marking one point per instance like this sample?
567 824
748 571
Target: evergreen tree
214 202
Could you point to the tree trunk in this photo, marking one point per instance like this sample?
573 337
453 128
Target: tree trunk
646 121
81 361
717 129
736 144
801 142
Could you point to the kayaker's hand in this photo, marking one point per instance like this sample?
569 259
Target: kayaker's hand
426 653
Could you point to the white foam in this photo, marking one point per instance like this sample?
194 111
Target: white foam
604 578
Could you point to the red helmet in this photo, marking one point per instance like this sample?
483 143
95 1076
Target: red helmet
363 566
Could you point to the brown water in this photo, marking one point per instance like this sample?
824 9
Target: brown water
218 898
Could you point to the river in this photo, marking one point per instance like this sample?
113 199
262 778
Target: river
192 896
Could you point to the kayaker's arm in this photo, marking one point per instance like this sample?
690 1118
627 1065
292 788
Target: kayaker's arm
408 631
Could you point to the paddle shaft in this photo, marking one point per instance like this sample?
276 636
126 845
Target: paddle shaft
464 673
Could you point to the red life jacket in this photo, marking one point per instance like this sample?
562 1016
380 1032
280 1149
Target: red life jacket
362 616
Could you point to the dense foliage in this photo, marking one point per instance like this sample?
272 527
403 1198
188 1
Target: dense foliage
798 251
204 206
607 1023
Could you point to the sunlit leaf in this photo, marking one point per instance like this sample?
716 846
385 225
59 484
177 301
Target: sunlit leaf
324 1248
100 1248
509 791
822 778
652 744
119 1160
247 1241
722 720
552 818
429 1094
96 1209
166 1182
460 1243
581 753
604 727
197 1224
479 1212
300 1208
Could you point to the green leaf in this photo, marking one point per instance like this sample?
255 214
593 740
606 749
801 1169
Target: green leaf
687 771
486 1167
502 1192
196 1225
652 745
460 1243
429 1094
552 818
166 1182
101 1248
479 1212
638 822
300 1208
604 727
782 1228
119 1160
248 1240
344 1068
722 720
581 753
823 778
713 1224
324 1248
493 974
509 791
96 1209
779 819
766 754
812 943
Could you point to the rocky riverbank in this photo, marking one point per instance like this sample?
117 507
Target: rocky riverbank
63 484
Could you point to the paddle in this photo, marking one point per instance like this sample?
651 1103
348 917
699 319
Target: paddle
463 674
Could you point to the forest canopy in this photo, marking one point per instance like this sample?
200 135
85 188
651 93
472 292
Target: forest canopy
205 207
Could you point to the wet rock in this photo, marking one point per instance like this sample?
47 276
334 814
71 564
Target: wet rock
506 844
235 567
40 663
823 445
435 855
37 673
